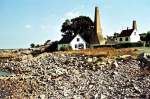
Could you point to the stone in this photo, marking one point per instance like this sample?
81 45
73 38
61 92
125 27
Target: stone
103 96
101 63
42 96
144 59
78 97
96 96
125 56
48 74
115 64
89 60
137 88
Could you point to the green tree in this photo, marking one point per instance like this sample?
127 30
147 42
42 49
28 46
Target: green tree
148 38
143 36
32 45
66 28
37 46
47 42
82 25
52 47
116 34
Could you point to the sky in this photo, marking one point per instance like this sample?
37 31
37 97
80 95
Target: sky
23 22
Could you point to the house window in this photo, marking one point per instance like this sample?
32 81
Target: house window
81 46
120 39
127 39
78 39
75 45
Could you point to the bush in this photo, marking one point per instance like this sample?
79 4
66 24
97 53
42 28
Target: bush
36 53
32 45
147 45
37 46
52 47
62 48
128 45
122 45
65 48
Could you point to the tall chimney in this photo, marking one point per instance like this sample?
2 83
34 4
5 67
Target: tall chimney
98 28
134 25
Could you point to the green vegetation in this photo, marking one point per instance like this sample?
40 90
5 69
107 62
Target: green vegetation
32 45
143 49
146 38
82 25
65 48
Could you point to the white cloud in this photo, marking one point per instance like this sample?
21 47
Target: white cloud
28 26
72 14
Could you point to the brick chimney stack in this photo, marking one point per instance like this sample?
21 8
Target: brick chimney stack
98 27
134 25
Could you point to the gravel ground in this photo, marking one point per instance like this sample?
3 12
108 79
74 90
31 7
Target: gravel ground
62 76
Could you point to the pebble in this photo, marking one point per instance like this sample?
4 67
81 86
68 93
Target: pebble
63 76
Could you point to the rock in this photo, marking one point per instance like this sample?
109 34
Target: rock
137 88
75 76
109 62
78 97
42 96
89 60
144 59
101 63
96 96
60 71
31 97
103 96
125 56
114 64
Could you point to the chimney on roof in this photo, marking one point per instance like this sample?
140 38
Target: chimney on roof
127 28
134 25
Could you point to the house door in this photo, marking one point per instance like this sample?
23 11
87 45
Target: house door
80 46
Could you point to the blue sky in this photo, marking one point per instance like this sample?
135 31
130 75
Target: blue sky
23 22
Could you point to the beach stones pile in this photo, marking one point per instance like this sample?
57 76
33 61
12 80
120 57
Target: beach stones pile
144 59
83 77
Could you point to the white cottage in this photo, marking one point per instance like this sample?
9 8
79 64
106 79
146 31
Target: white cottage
75 42
129 35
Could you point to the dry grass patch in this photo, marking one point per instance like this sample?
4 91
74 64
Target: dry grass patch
105 52
10 55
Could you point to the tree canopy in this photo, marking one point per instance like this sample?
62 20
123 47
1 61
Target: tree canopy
82 25
145 37
148 36
32 45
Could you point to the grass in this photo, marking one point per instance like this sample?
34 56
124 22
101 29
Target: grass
143 49
10 55
105 52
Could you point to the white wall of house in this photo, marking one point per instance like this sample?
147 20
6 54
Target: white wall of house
124 39
78 43
135 37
